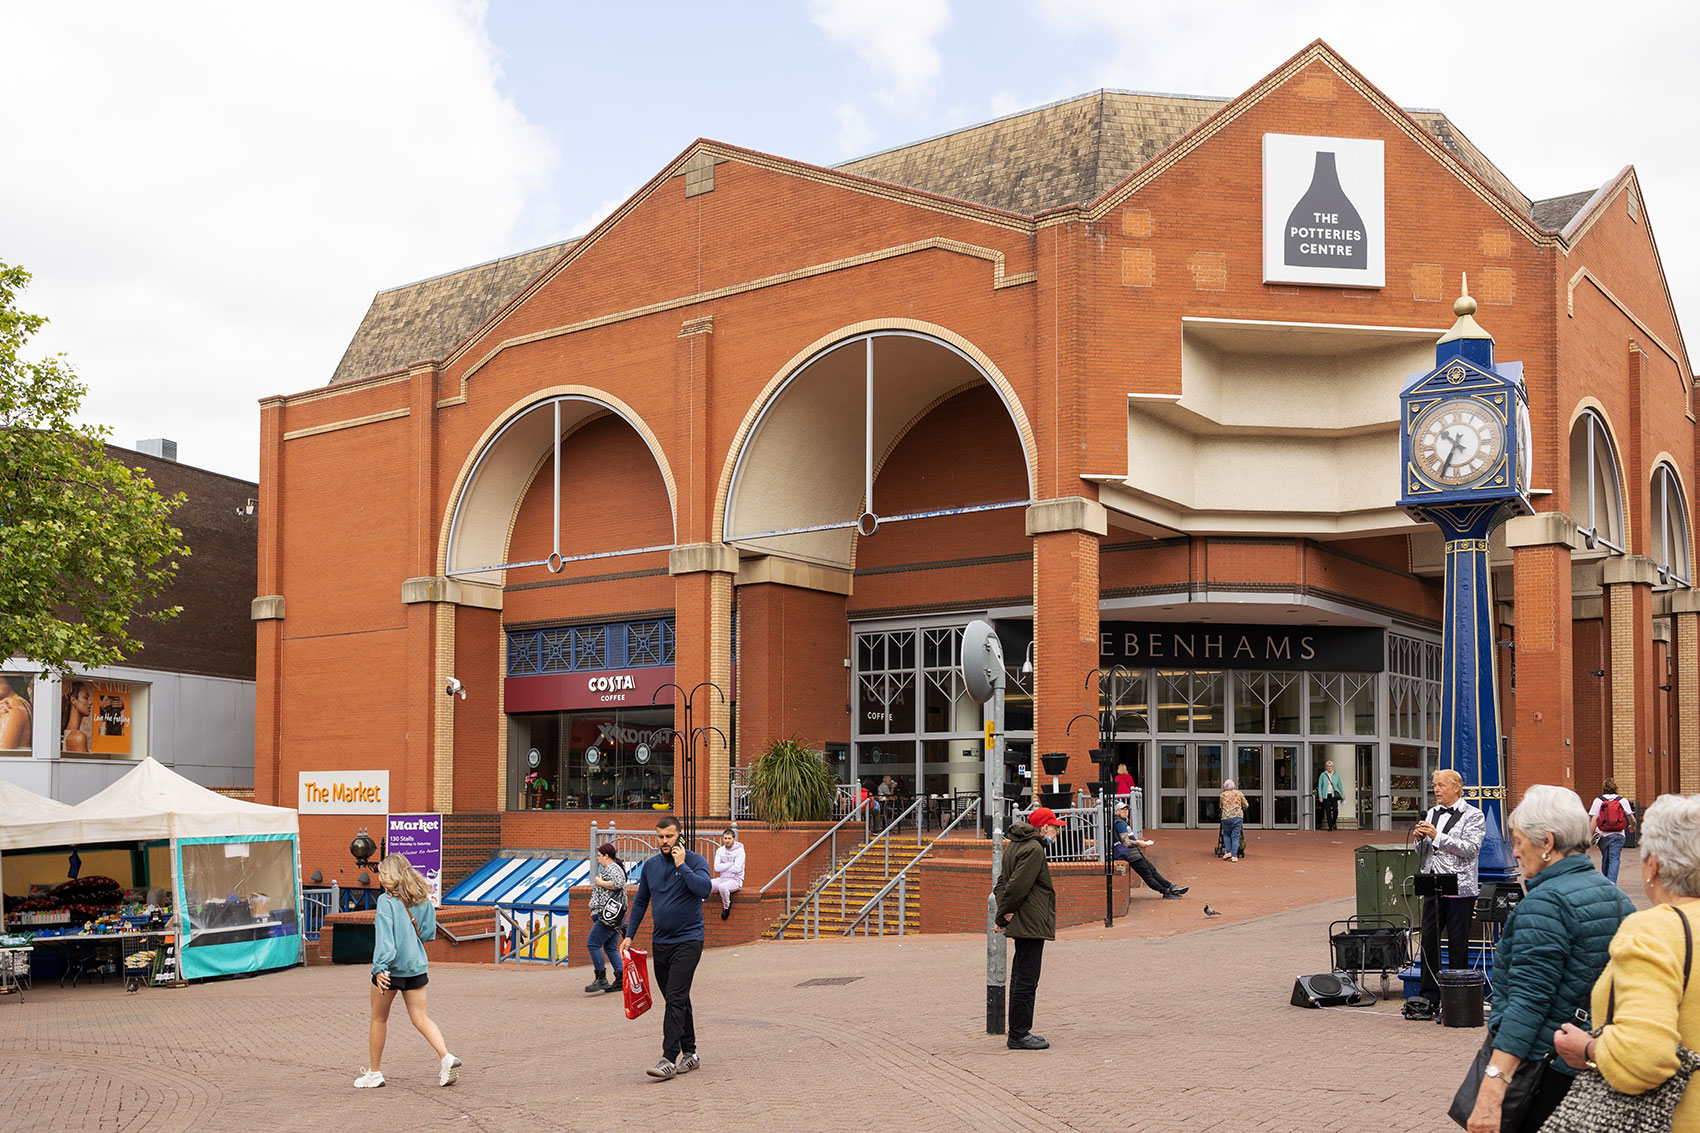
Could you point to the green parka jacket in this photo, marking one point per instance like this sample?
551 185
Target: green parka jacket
1024 889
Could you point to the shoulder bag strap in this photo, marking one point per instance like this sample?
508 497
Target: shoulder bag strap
415 923
1687 964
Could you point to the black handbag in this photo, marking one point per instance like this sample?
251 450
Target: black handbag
1592 1104
1519 1092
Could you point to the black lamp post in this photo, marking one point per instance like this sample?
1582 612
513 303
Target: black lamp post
685 798
1104 755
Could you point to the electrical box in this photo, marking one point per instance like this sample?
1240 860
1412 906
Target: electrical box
1385 888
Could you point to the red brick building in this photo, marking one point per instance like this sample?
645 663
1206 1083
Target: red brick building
787 429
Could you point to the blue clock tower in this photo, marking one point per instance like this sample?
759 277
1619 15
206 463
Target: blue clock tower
1465 466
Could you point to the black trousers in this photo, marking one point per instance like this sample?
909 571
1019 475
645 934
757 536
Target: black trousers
1328 811
1024 984
1147 872
675 968
1455 914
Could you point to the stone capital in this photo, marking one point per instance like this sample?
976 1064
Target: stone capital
1638 569
1069 513
781 571
1547 529
701 558
438 588
1685 602
267 607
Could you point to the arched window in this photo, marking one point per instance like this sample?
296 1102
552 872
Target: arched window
1596 501
1670 527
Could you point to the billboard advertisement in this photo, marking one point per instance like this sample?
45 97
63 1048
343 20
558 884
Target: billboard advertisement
419 838
95 717
17 712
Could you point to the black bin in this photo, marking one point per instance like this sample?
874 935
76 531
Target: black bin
1461 997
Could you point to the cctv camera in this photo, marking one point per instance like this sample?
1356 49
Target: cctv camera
455 688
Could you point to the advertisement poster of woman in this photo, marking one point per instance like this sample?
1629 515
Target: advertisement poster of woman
94 717
17 715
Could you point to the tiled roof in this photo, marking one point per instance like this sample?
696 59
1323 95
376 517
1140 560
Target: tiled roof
1068 152
429 318
1065 153
1554 213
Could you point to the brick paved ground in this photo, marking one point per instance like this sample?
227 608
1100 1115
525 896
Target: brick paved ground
1169 1021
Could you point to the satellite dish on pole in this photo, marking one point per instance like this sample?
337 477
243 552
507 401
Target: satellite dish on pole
982 660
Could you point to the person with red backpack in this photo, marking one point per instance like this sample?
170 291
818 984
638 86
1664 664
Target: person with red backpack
1612 818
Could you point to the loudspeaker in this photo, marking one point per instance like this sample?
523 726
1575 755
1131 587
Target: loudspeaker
1325 990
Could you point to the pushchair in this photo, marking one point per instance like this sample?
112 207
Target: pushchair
1222 849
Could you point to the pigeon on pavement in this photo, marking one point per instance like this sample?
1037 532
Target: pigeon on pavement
1209 912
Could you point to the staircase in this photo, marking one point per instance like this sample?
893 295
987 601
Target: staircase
842 894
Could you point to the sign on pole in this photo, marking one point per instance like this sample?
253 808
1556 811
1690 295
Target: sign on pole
419 838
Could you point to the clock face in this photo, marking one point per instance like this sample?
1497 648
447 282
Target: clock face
1457 442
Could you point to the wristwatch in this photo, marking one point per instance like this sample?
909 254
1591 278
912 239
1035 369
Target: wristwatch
1494 1072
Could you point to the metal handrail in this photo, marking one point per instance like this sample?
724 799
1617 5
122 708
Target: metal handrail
811 899
800 858
900 881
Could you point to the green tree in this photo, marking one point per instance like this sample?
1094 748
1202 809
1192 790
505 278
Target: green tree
86 544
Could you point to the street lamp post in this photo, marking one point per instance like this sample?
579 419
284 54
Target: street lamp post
685 798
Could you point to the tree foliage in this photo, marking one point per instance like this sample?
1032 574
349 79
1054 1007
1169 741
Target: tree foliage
85 543
790 783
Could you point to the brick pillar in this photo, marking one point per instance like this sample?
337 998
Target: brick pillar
1629 625
1542 749
1685 614
1066 534
703 574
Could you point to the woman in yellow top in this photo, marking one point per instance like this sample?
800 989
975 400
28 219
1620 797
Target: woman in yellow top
1652 1012
1233 820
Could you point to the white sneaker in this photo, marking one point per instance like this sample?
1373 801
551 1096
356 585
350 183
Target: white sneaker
450 1071
369 1080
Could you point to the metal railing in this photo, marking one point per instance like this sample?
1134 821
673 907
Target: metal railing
531 934
809 907
638 845
900 882
743 809
861 811
316 904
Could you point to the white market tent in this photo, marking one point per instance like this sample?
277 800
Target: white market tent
213 836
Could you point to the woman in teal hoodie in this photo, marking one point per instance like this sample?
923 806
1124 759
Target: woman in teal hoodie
1554 946
405 921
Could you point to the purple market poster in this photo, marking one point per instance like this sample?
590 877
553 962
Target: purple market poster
420 838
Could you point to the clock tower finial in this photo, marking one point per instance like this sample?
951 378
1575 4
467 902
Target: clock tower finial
1466 328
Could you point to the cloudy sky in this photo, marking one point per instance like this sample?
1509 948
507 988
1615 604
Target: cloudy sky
209 194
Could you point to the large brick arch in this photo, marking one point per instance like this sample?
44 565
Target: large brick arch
479 515
793 462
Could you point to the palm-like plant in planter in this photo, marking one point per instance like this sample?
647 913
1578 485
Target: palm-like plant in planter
790 783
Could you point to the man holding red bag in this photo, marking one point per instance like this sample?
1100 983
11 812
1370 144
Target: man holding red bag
677 880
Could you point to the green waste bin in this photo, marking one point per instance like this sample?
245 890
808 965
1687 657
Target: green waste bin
1384 883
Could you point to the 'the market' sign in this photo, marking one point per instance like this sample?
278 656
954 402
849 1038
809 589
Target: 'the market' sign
344 792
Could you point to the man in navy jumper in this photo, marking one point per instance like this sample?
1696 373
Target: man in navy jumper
677 880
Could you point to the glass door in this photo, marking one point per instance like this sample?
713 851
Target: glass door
1287 778
1189 784
1249 778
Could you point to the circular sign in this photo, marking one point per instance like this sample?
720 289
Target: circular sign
982 660
642 753
533 758
592 756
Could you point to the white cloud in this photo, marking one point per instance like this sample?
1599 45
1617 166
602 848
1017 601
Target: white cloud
209 194
897 39
855 134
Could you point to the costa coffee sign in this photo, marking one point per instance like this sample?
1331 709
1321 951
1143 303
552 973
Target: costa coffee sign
557 692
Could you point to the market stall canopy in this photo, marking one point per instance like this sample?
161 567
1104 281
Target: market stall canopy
22 812
154 802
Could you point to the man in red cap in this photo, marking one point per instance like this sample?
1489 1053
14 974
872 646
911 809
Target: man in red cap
1027 914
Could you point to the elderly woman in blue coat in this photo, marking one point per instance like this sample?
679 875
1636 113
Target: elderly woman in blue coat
1554 946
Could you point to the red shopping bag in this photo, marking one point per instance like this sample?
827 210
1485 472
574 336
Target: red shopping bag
635 980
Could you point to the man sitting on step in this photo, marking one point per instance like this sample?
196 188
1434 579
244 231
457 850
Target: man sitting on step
1127 849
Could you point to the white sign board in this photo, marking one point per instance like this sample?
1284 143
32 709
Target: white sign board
344 792
1324 211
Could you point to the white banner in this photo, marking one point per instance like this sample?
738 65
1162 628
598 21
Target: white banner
1324 211
344 792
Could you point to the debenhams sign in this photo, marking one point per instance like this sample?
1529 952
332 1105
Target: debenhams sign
1166 645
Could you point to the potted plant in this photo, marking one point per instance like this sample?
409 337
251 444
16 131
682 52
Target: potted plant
790 783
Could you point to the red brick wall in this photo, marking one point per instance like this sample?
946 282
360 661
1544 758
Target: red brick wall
954 890
1593 724
480 664
792 680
